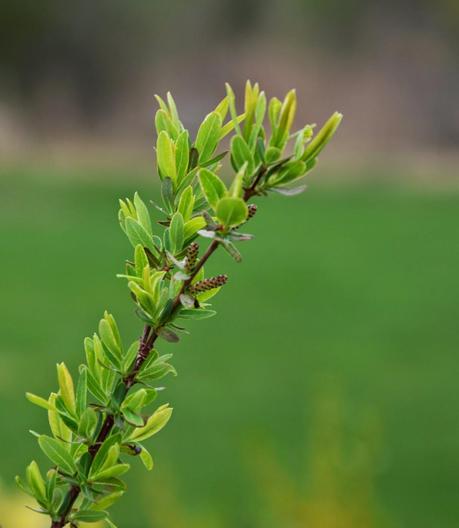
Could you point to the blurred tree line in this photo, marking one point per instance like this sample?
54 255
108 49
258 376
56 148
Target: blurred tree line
97 51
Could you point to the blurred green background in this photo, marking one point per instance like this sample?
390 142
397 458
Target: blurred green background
324 394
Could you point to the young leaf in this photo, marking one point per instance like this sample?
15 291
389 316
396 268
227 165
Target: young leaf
176 233
208 136
89 516
66 387
316 146
154 424
109 339
240 154
106 455
231 211
82 390
197 313
36 482
114 471
212 187
146 459
192 227
57 453
137 235
56 424
143 215
88 422
182 155
165 153
140 259
37 400
107 501
130 356
186 203
163 122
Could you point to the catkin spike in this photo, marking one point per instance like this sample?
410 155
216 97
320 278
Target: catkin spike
191 257
209 284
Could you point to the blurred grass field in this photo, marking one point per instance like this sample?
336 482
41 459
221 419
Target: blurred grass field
348 290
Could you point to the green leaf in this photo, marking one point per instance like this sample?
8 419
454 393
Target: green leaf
173 110
130 356
36 482
165 153
64 414
286 116
272 154
132 417
197 313
143 215
316 146
82 390
193 226
37 400
212 186
231 211
273 111
208 136
186 203
145 299
57 453
107 501
107 454
134 400
232 107
96 388
140 259
108 338
114 471
182 155
88 422
163 122
146 459
154 424
176 233
167 192
290 171
236 190
57 426
222 108
89 516
240 154
66 387
137 235
156 372
226 129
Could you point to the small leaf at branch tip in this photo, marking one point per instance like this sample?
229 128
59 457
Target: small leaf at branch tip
37 400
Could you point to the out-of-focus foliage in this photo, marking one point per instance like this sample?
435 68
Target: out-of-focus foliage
332 485
336 487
